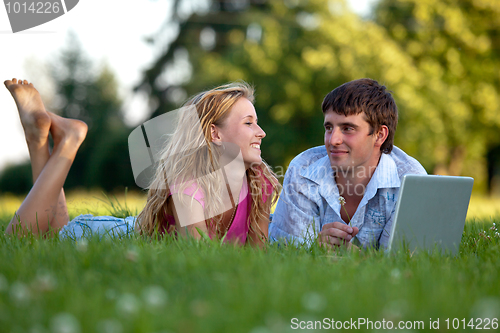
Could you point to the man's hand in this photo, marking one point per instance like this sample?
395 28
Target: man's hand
336 234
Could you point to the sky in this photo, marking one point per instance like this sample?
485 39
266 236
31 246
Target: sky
110 31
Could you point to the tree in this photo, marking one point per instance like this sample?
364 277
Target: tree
455 46
103 159
294 52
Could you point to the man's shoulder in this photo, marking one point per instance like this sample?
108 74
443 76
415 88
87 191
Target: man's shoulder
406 164
308 157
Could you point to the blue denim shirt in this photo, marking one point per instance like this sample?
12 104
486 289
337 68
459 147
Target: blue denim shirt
310 198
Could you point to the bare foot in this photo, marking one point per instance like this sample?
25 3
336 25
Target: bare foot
34 118
68 134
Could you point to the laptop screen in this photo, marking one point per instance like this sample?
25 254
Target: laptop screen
430 213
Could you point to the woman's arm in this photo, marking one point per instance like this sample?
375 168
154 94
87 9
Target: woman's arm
188 214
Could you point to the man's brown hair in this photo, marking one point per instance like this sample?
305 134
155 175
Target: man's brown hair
369 97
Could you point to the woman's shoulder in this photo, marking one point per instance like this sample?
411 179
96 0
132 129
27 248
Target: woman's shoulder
191 189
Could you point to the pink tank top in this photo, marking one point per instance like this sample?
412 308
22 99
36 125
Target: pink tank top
238 231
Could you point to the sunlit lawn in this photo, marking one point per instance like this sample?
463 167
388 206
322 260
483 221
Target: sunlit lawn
483 207
98 203
82 202
165 285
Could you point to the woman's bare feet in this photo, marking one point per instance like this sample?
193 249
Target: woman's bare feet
45 206
68 134
34 117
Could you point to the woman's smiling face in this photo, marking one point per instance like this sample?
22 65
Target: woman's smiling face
240 127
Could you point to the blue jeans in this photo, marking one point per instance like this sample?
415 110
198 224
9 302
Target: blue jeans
89 225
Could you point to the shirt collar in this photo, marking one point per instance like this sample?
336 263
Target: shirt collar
321 172
385 176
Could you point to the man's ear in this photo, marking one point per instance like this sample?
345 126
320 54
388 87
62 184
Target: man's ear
214 132
381 135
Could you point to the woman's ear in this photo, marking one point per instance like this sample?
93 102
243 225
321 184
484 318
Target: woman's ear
214 132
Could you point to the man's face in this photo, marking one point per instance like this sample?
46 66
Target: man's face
349 144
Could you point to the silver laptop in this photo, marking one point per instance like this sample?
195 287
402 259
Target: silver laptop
430 213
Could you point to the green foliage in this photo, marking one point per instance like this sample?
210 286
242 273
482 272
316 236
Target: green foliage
16 179
89 94
109 166
94 99
440 59
116 208
455 47
294 52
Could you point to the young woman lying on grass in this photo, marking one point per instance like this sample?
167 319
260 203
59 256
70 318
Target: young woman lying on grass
200 197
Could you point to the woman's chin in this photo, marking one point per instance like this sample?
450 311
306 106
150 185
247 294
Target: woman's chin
254 163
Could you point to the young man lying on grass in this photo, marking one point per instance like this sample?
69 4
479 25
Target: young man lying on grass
345 192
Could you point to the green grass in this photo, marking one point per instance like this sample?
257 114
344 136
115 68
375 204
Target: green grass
163 285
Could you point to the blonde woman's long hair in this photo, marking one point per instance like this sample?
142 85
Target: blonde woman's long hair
196 158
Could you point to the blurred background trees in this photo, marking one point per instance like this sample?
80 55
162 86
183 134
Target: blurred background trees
441 59
90 94
85 92
455 45
293 52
